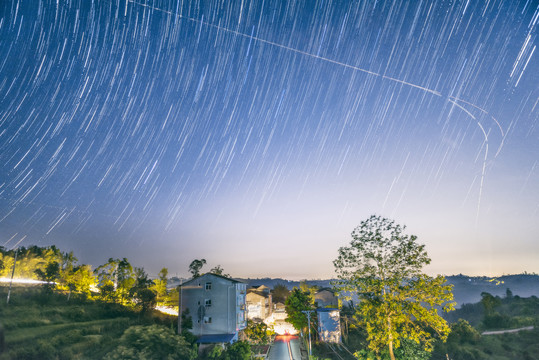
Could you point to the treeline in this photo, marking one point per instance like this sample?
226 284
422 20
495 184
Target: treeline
116 281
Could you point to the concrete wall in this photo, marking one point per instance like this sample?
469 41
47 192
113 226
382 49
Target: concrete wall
216 305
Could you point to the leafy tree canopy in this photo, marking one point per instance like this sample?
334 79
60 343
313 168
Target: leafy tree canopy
218 270
195 267
297 302
383 266
280 293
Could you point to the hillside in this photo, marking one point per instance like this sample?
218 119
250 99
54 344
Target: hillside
466 289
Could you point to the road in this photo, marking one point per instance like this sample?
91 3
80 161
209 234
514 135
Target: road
285 347
506 331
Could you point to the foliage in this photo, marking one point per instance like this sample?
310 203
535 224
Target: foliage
297 302
160 285
28 260
463 332
218 270
79 329
187 320
195 267
75 278
151 342
49 275
489 302
120 274
240 350
256 332
279 293
397 301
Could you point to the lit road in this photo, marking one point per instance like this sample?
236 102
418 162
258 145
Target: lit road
285 347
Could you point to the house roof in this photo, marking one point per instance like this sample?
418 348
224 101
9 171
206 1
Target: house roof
326 289
216 339
215 275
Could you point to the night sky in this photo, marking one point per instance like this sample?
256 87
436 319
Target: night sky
258 134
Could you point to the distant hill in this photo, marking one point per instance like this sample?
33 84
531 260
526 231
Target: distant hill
467 289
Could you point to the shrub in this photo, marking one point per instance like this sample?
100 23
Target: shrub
152 342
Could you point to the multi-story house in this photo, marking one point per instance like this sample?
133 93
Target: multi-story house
259 304
216 305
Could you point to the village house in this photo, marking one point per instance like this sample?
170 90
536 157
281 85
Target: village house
216 305
325 297
259 303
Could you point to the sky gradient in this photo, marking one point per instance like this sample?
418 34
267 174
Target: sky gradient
258 134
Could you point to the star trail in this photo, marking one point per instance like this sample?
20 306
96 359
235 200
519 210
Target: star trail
258 134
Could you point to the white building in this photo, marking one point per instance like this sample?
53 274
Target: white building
216 305
329 325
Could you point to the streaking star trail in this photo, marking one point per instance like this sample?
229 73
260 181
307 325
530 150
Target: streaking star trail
258 134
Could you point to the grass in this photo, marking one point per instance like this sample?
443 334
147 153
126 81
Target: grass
39 326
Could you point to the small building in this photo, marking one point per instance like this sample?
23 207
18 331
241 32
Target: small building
326 298
216 305
329 325
259 304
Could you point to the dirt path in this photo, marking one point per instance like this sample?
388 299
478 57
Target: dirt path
507 331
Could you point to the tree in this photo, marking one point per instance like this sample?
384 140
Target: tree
256 332
240 350
49 275
297 302
119 274
397 301
160 285
279 293
195 266
489 302
142 292
218 270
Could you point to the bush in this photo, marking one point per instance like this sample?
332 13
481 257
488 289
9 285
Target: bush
152 342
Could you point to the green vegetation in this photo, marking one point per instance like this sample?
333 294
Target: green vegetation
464 342
107 313
493 313
257 332
297 302
280 293
397 301
240 350
41 325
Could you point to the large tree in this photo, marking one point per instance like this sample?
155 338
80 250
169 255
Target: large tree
195 267
397 300
297 302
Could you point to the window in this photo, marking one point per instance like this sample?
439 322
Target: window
207 319
208 286
207 302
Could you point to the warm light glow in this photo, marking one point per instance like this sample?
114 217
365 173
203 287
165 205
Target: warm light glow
22 281
167 310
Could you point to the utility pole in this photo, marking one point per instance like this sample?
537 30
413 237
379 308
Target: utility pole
180 309
12 274
308 312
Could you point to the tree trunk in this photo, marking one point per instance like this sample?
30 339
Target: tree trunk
391 355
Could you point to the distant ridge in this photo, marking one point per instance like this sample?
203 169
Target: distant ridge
467 289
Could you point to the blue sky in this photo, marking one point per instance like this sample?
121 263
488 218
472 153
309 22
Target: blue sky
257 135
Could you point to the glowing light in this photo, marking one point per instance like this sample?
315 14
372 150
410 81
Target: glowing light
23 281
